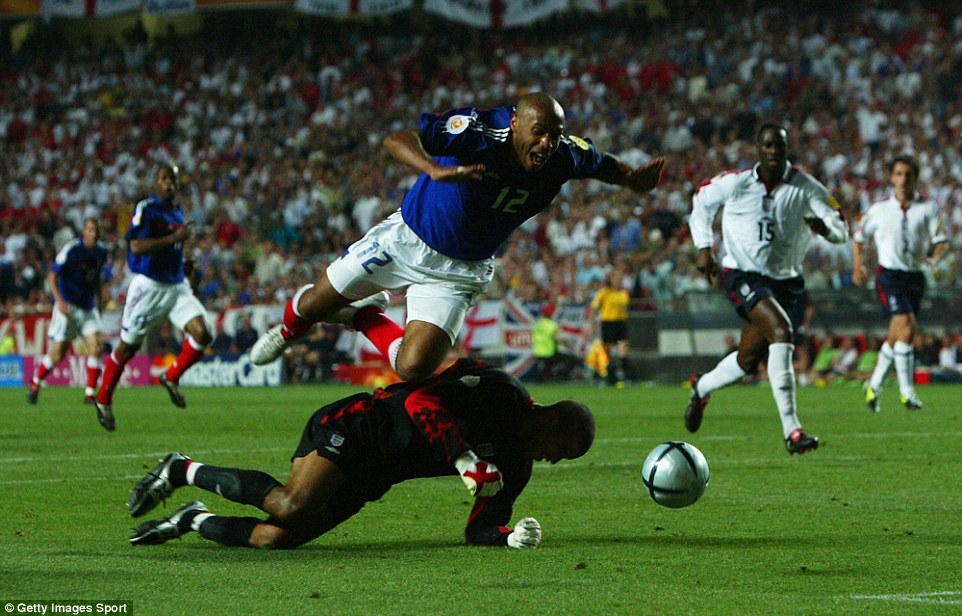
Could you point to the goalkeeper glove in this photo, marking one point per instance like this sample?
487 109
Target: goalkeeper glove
526 534
482 478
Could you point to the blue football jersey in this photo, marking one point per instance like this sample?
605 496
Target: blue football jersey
152 219
470 220
79 272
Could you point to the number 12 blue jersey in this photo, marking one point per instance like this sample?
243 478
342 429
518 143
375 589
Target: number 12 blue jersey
470 220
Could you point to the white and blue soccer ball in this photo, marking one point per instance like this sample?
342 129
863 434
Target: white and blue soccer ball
675 474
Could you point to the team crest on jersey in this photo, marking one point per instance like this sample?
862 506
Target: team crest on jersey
457 124
471 380
578 141
337 440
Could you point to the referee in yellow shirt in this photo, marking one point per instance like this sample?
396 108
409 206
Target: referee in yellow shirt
610 303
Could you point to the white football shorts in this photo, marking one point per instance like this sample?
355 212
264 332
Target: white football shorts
66 327
149 301
440 290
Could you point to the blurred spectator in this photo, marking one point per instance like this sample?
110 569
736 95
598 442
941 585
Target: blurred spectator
868 359
285 164
845 360
313 357
927 348
553 362
949 354
164 342
245 336
8 346
822 365
224 344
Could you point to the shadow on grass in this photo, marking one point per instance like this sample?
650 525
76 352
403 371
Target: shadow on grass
194 549
197 550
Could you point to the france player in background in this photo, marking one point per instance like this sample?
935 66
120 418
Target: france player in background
158 290
75 282
483 173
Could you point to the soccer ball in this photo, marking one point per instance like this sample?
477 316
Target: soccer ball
675 474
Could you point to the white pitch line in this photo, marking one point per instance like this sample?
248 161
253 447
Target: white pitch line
632 439
626 439
13 482
131 456
935 598
744 437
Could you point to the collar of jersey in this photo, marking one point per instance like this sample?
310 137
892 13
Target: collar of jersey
786 175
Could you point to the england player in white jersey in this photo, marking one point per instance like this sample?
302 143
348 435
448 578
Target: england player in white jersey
769 214
909 233
483 172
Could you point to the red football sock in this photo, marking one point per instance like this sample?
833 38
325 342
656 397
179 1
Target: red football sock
42 369
93 372
113 368
190 354
379 329
294 326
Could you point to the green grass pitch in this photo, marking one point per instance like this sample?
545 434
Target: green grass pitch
868 524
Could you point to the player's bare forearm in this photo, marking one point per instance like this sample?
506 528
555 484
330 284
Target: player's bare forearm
640 180
405 147
58 300
144 245
938 250
816 225
705 263
859 273
833 228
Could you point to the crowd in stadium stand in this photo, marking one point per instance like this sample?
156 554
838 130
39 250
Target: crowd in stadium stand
279 139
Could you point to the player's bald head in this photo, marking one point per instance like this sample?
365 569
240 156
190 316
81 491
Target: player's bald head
577 421
541 105
536 129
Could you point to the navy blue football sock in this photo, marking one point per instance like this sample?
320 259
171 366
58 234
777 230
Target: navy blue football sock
239 485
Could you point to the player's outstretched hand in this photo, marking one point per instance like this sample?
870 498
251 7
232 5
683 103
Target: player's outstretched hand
526 534
647 177
184 232
817 225
459 174
706 264
482 478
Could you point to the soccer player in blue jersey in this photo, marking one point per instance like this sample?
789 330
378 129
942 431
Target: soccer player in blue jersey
158 290
75 282
470 420
483 173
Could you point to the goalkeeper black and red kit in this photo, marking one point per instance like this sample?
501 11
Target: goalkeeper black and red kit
411 430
